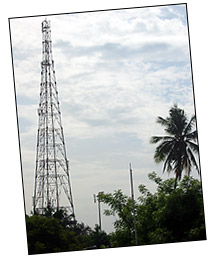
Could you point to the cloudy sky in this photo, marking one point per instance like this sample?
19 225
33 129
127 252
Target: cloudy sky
116 72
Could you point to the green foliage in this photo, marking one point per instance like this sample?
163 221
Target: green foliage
121 206
177 149
99 238
44 235
166 216
175 214
58 232
47 235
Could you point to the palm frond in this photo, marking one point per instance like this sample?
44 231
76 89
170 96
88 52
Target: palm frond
168 162
192 136
190 125
193 146
156 139
193 160
186 163
162 121
162 151
177 121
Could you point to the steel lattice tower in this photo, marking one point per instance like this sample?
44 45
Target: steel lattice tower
52 180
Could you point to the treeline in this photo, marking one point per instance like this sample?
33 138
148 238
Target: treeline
59 233
166 216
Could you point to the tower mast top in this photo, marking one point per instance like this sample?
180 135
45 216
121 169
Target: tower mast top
45 25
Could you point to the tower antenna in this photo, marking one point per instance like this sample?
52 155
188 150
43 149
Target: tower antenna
52 188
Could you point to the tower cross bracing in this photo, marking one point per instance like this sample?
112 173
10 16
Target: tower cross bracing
52 187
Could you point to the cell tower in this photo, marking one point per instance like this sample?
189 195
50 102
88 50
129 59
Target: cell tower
52 180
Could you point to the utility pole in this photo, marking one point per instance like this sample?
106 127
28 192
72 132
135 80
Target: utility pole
96 199
132 195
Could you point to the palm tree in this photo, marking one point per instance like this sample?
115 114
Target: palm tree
178 147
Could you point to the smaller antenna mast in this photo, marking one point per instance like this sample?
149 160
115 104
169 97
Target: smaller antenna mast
133 206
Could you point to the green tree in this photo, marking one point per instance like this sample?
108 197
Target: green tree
120 207
99 238
178 147
46 235
56 232
172 215
165 216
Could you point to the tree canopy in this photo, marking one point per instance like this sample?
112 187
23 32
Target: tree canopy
177 149
166 216
56 232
